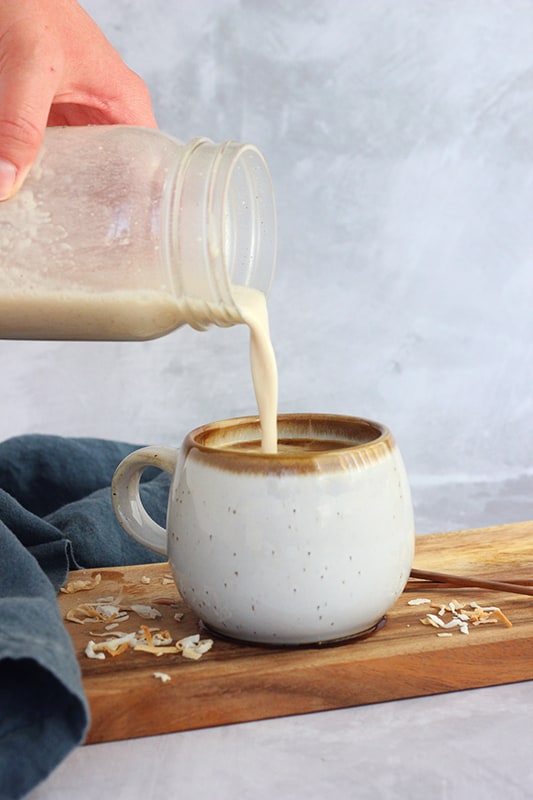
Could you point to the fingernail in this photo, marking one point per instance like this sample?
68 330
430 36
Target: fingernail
8 176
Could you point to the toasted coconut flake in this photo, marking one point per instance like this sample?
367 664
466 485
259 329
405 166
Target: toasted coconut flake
436 621
155 651
162 676
81 585
117 651
499 614
93 612
418 601
196 651
191 653
178 616
442 634
193 647
145 579
91 652
147 635
188 641
204 645
113 646
128 639
71 616
162 638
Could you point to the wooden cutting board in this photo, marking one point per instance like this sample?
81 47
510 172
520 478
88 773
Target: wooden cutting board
238 682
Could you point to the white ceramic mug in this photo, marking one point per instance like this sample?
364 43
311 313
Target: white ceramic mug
310 545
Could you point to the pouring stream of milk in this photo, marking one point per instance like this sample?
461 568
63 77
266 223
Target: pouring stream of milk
253 307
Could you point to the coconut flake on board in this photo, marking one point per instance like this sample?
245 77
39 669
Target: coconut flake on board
113 612
460 615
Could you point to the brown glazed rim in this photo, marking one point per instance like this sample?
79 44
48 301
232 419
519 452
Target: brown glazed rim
371 442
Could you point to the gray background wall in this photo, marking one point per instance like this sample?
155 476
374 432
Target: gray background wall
400 140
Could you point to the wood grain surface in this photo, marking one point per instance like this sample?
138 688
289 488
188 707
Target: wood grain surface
238 682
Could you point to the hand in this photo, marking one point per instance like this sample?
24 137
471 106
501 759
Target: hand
57 68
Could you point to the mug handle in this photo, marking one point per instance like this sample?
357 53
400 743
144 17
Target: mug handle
127 503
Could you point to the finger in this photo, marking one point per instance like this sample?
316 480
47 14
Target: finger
134 104
89 97
28 79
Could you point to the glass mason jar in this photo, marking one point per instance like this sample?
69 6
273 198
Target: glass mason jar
124 233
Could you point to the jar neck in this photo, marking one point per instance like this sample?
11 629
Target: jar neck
222 229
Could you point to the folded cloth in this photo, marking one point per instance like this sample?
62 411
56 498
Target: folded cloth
55 514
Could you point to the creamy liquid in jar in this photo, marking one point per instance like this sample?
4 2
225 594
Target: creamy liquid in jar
253 307
71 315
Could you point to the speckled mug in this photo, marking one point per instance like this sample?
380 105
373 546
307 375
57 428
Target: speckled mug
302 547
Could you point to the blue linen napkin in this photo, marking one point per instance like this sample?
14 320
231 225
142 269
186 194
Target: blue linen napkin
55 514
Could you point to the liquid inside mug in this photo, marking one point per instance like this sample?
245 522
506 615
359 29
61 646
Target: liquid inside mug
310 545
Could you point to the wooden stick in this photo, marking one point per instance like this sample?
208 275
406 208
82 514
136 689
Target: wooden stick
479 583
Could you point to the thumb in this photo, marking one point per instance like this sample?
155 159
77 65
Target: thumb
27 89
